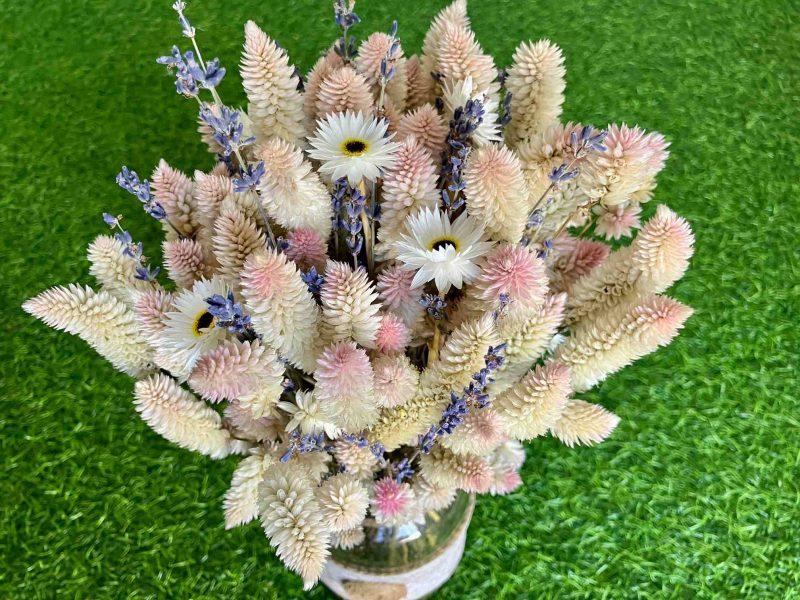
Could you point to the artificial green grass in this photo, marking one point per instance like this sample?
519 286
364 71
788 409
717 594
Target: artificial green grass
695 494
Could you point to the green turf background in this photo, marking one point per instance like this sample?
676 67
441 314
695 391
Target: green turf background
695 495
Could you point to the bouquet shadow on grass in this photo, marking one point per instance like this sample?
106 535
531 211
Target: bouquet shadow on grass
388 279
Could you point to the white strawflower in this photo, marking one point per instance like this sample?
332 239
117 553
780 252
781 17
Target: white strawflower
441 251
344 502
189 329
241 499
458 93
307 416
178 416
352 145
293 522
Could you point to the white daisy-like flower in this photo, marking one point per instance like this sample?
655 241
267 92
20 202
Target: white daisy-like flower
307 416
353 145
439 250
189 329
458 93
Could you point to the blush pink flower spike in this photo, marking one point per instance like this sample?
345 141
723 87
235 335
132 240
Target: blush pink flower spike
184 262
515 271
393 334
618 222
427 125
345 383
392 502
397 295
307 249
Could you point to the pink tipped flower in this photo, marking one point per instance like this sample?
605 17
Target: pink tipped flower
514 271
506 480
396 380
307 249
150 309
480 432
232 370
397 295
184 262
345 386
393 335
425 124
618 221
656 146
392 502
574 259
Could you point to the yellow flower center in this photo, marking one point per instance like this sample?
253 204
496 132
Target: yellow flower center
202 323
354 147
444 242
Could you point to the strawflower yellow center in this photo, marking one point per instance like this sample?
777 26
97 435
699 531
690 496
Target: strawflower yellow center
443 242
354 147
202 323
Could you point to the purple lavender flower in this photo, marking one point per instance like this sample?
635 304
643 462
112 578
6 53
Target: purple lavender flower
185 81
129 181
229 313
588 140
147 273
402 470
345 18
111 221
227 130
354 203
186 28
434 305
313 280
473 395
466 119
301 444
211 76
560 174
250 178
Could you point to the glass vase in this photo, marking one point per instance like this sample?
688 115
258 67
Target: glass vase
406 562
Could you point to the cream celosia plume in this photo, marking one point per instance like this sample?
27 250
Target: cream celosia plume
657 258
356 460
344 502
404 424
585 424
427 125
346 540
368 62
349 310
409 185
572 259
292 520
455 15
173 190
527 334
237 369
396 380
514 271
276 106
397 295
241 499
243 424
178 416
421 86
432 497
281 307
463 471
480 432
324 66
459 56
114 270
151 309
605 342
99 319
496 192
461 356
626 168
292 191
343 90
184 261
236 237
536 84
210 189
344 385
531 407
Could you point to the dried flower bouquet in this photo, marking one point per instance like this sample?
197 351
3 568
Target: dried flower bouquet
388 279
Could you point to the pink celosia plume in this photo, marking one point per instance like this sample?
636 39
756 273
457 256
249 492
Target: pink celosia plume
307 249
393 334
